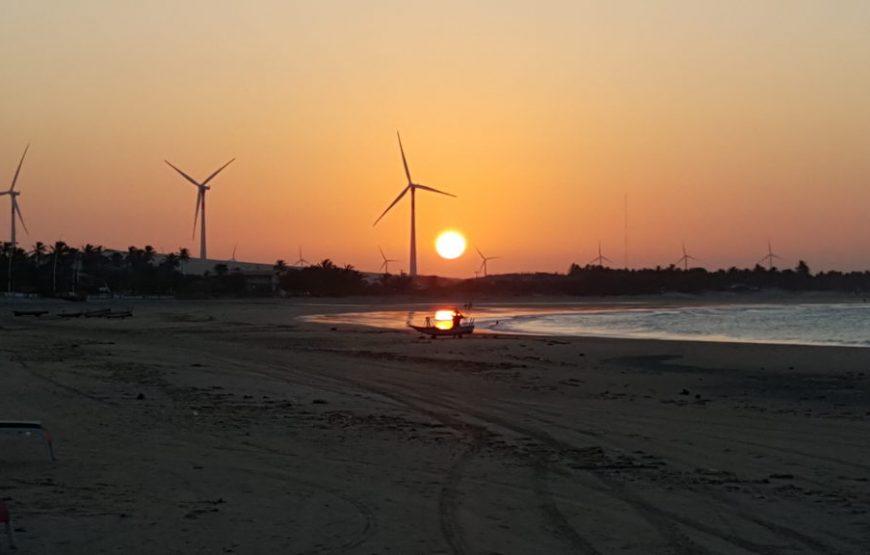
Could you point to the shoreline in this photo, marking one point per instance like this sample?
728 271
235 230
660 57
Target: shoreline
376 317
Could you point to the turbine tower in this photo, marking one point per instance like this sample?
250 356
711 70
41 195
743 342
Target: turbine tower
769 257
684 260
600 259
16 211
483 261
411 186
200 202
301 261
13 195
385 265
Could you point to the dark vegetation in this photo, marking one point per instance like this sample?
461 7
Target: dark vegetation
59 270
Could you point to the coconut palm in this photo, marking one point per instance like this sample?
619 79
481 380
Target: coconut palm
184 257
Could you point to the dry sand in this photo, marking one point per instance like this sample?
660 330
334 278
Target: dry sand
234 427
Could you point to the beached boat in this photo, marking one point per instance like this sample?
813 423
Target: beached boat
36 313
446 323
119 314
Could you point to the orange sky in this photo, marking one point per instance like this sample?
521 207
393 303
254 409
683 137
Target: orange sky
725 123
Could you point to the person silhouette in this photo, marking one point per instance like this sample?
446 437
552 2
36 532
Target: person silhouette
457 318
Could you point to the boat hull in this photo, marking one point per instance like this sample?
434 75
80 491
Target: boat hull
432 331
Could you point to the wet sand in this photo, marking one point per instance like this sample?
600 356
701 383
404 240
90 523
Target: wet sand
236 427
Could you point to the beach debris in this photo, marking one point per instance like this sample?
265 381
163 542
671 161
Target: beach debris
140 397
319 402
6 519
782 476
684 392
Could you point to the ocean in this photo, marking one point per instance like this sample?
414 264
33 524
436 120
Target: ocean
839 324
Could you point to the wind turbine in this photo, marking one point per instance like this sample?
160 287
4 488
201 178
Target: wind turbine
385 265
600 259
13 195
684 260
483 261
411 186
301 261
770 256
200 202
16 211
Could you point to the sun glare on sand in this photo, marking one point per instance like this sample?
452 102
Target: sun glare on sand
450 244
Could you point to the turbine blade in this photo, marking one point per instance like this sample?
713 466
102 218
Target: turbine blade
20 217
398 198
404 161
383 264
184 175
604 258
219 170
480 253
18 169
199 194
425 188
382 253
493 257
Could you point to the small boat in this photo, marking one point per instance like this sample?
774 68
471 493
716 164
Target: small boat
119 314
70 314
36 313
99 313
447 323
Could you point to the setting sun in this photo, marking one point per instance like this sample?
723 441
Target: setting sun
450 244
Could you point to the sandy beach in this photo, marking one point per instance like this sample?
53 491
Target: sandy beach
237 427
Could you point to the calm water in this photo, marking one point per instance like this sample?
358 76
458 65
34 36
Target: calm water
810 324
845 324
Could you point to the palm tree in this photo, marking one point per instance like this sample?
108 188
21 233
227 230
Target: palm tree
148 254
38 252
183 256
170 261
57 250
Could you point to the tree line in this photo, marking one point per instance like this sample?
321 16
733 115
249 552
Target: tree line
59 269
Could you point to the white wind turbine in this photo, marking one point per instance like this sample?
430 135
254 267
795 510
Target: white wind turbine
301 261
16 211
684 260
411 186
483 261
13 195
385 265
600 259
770 256
200 202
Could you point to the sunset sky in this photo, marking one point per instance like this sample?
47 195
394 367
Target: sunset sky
725 123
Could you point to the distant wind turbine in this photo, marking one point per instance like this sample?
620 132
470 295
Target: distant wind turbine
301 261
600 259
684 260
234 253
769 257
411 186
16 211
200 202
385 265
13 195
483 261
